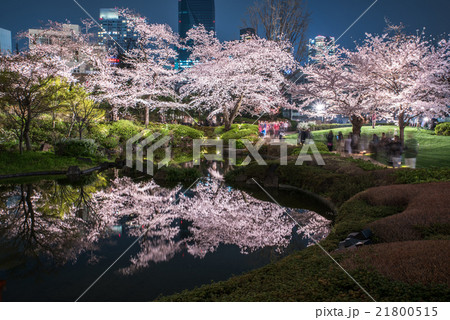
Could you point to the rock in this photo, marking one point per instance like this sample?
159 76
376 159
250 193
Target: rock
350 242
363 242
366 233
45 147
353 235
356 239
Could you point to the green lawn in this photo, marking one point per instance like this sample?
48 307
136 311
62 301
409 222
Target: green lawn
12 162
434 151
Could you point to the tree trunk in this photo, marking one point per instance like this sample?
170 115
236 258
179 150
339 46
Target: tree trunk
21 142
26 134
229 119
72 121
357 122
227 123
147 115
401 127
115 116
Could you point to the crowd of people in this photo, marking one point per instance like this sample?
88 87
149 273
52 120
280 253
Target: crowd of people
386 148
273 130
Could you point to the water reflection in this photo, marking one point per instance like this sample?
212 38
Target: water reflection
39 230
48 224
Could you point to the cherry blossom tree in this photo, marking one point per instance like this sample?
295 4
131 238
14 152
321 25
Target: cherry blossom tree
332 82
236 77
30 79
147 71
407 74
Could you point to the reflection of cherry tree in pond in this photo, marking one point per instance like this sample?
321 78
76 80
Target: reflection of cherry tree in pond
50 224
35 226
209 215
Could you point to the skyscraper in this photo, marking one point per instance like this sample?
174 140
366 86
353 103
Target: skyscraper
5 41
193 13
115 32
319 46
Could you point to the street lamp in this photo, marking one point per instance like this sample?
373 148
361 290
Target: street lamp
320 108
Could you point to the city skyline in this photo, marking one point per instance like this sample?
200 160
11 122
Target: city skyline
328 18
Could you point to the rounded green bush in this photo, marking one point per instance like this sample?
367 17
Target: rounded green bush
443 129
125 129
77 148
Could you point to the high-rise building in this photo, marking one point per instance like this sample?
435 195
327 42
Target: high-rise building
42 36
320 46
66 34
247 33
5 41
194 13
116 32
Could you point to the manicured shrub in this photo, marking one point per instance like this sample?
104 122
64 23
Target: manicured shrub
77 148
443 129
235 128
241 131
100 131
185 132
110 142
125 129
406 176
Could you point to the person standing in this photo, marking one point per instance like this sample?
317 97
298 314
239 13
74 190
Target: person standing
302 136
276 130
411 151
396 151
330 138
340 142
348 144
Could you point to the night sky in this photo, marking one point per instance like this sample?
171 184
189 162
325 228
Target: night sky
328 17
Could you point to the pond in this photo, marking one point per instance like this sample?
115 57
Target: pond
58 236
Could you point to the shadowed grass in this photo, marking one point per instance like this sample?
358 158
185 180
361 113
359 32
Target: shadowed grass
11 163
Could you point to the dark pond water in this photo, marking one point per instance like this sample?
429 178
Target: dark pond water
57 237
